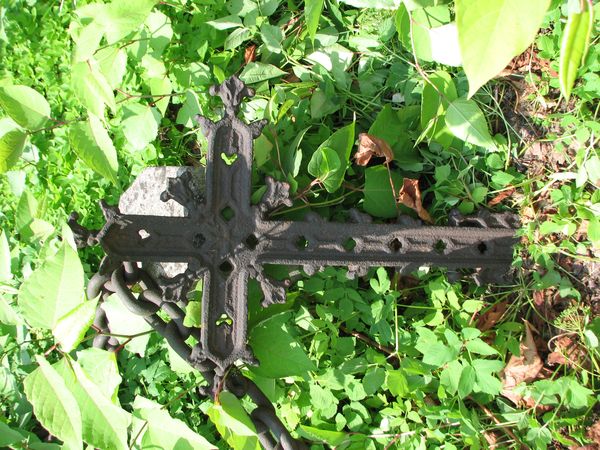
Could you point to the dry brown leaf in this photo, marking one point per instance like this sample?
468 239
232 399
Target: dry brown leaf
567 351
410 196
492 439
501 196
593 433
250 54
369 146
492 316
524 368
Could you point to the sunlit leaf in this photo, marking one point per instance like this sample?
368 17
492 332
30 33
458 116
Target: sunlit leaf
233 422
71 328
12 141
312 15
466 121
25 106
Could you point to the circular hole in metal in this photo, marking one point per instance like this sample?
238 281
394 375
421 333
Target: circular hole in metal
301 243
251 242
439 246
349 244
224 319
227 213
226 267
395 245
198 240
482 247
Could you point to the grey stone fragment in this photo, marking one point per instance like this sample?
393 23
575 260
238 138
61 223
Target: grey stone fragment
143 198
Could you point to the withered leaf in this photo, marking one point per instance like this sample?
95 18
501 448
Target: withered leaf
492 316
369 146
524 368
410 196
250 54
501 196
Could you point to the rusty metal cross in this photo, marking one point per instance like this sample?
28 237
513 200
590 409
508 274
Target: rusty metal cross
226 240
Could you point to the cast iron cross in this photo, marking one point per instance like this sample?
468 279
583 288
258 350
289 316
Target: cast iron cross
226 240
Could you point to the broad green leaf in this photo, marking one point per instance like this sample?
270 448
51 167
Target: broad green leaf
163 431
191 108
5 258
418 38
236 38
8 316
380 200
438 92
397 383
161 86
101 367
53 404
140 125
450 376
466 121
71 328
9 436
325 166
25 106
279 353
161 31
333 438
574 47
312 15
341 141
226 23
255 72
271 36
125 17
91 87
87 39
466 382
12 141
124 322
233 423
594 231
53 289
492 32
113 65
375 4
104 425
480 347
93 145
323 401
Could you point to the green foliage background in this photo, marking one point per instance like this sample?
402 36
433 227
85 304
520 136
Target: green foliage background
91 93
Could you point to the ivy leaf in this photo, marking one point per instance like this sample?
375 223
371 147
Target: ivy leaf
140 125
91 87
324 165
574 47
53 289
104 425
12 141
233 423
466 121
279 353
312 15
256 72
163 431
380 200
71 328
492 32
25 106
53 404
93 145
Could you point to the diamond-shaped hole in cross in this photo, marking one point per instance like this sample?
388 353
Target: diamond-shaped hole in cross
227 213
226 267
229 159
439 246
251 241
396 245
301 243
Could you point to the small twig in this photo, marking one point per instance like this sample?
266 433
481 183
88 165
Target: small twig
504 428
370 342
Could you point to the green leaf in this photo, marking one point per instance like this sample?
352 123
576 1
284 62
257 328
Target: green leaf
91 87
256 72
140 125
280 355
312 15
480 347
450 376
438 92
225 23
375 4
271 36
466 382
5 258
113 65
124 322
236 38
71 328
193 314
93 145
574 47
233 423
161 87
104 425
9 436
466 121
593 231
101 368
53 289
492 32
333 438
12 141
124 17
25 106
163 431
53 404
325 166
341 141
380 200
397 383
323 401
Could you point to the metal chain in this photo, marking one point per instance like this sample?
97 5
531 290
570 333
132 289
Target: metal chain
119 278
